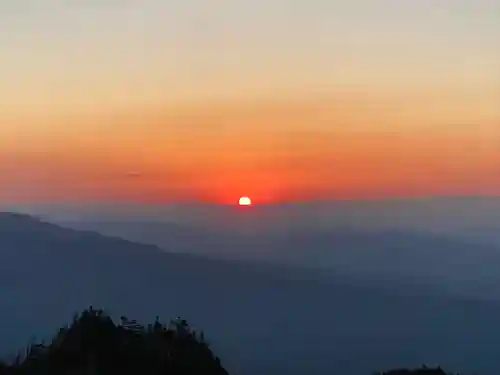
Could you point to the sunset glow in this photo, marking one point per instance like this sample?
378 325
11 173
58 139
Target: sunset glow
323 101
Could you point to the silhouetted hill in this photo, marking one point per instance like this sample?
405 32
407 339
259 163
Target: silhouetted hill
420 371
262 320
94 344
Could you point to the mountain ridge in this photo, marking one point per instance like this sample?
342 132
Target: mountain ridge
266 322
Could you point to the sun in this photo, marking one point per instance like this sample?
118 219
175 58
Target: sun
245 201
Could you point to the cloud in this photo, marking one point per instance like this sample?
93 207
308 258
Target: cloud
134 174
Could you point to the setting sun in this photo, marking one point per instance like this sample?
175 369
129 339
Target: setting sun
245 201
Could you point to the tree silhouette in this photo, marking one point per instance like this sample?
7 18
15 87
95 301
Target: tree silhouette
93 344
424 370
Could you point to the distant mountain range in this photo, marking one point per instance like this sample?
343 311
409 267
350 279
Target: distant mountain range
472 219
454 265
263 319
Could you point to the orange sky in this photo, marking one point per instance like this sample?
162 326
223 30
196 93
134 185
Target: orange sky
276 100
352 146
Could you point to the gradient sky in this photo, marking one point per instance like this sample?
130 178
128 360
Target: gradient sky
164 100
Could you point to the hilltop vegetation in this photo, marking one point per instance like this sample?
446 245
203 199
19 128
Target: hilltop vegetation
93 344
421 371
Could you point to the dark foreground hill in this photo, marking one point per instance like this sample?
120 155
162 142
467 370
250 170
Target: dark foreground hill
261 319
94 344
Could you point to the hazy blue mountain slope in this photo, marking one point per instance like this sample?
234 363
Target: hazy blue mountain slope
262 319
453 265
474 219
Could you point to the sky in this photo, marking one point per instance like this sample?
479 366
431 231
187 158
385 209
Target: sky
162 100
